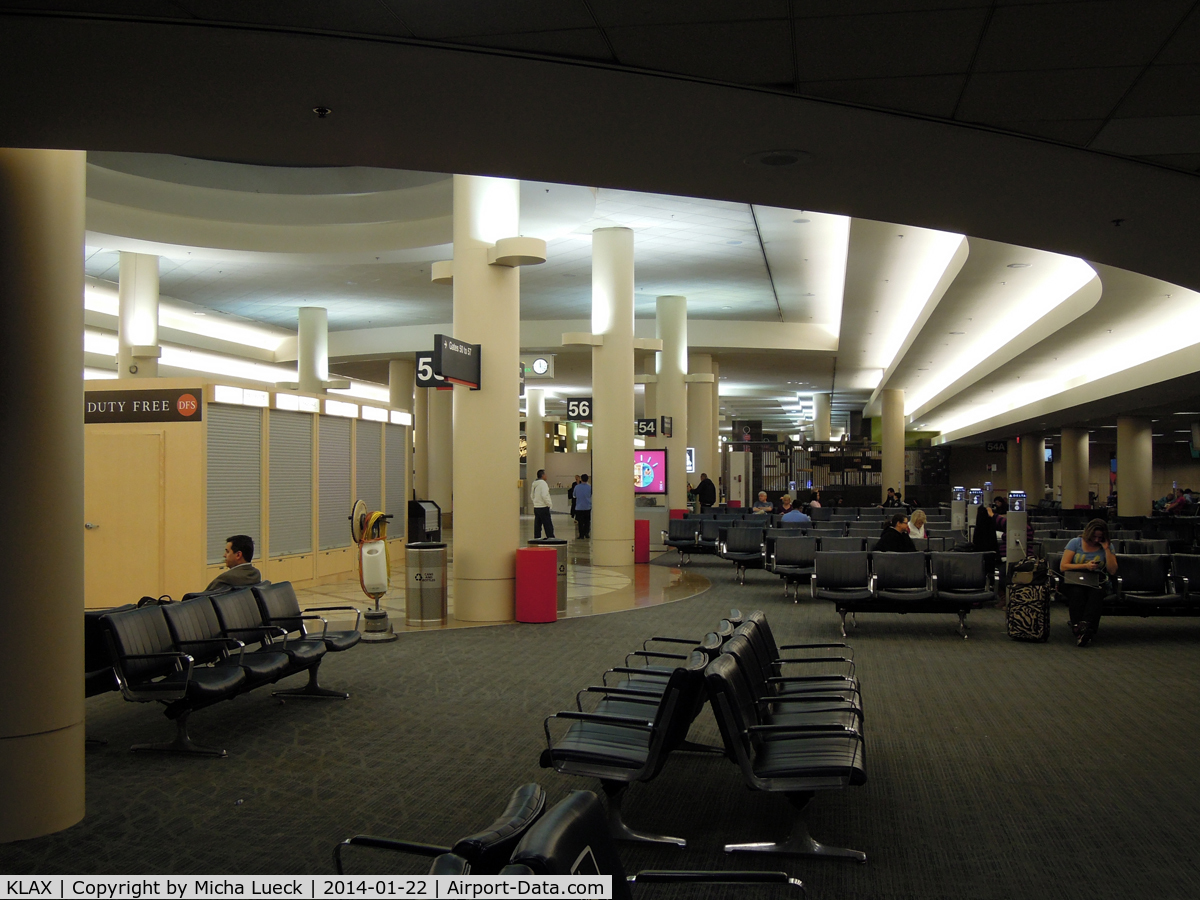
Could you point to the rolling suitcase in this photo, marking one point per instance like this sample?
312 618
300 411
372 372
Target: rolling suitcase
1027 612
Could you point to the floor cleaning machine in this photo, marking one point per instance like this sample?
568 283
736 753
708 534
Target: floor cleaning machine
369 531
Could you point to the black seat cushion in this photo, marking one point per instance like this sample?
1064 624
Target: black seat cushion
824 757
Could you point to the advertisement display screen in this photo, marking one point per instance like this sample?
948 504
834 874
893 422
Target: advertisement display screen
649 471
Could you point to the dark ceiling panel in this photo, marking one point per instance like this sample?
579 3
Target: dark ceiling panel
1164 91
1074 35
1184 46
434 19
680 12
741 52
881 46
330 15
930 95
1069 131
579 43
1189 162
1059 94
813 8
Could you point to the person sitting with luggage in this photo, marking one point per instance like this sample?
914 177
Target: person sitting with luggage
896 538
239 551
1087 565
792 515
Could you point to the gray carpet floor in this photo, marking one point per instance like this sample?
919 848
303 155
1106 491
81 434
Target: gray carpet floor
996 769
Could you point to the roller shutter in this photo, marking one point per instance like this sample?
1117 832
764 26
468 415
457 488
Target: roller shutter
397 491
334 511
291 482
368 470
234 476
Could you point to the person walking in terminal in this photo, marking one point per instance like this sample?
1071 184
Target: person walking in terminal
571 495
706 492
239 551
583 507
541 507
1087 564
896 538
762 504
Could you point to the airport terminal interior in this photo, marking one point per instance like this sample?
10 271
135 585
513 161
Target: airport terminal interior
332 335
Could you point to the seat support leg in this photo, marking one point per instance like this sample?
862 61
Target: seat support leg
962 624
799 842
312 689
182 743
615 791
842 613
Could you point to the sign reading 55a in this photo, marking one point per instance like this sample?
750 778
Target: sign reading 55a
579 409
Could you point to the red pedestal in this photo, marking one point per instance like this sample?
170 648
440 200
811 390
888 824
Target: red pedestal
734 503
677 513
537 584
641 540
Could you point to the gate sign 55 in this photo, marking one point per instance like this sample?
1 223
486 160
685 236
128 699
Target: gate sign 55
579 409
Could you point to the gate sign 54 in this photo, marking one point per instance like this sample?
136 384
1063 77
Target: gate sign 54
579 409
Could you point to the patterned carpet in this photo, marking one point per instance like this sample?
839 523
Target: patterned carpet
996 769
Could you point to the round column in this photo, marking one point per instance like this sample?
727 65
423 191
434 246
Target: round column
671 396
440 457
487 311
892 464
612 392
822 428
1033 468
421 443
1012 468
41 442
1074 467
535 439
716 428
312 349
650 403
137 317
1135 466
401 377
701 430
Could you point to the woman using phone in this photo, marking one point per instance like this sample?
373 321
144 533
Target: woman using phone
1086 565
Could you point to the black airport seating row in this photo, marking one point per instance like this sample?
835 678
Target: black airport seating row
790 734
572 838
214 647
1147 584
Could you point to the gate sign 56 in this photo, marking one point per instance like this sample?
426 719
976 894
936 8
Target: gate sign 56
579 409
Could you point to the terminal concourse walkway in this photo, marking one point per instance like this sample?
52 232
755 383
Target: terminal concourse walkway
996 770
590 590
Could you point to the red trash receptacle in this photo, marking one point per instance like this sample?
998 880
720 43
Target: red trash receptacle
537 584
641 540
678 513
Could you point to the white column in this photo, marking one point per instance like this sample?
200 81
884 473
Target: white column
421 442
487 311
892 463
1135 461
535 438
1074 467
137 328
439 460
1012 473
650 402
612 397
312 348
822 428
700 425
716 427
401 377
1033 468
41 443
671 394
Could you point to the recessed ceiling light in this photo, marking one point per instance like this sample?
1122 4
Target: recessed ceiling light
726 307
733 243
778 158
801 221
1019 265
808 295
958 332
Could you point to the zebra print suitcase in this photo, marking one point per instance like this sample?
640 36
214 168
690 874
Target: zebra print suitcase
1027 612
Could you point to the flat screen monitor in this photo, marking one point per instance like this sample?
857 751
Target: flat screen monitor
649 471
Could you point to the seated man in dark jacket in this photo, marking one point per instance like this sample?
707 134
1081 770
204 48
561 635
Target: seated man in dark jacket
239 550
895 539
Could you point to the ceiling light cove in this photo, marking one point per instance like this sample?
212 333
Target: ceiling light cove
807 265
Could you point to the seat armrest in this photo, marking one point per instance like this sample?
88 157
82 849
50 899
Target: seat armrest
633 670
835 645
379 843
132 693
226 643
355 609
783 729
628 695
666 640
653 654
663 876
303 629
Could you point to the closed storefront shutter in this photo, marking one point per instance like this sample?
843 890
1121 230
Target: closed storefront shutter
334 501
291 482
368 472
234 476
395 442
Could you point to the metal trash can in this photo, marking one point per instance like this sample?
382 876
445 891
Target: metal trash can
425 583
561 546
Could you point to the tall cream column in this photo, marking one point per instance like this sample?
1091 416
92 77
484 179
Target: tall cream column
671 393
612 397
1012 468
822 426
41 443
1033 468
535 439
439 460
487 311
401 378
701 429
892 464
651 400
421 442
312 348
1135 466
137 319
716 426
1074 467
